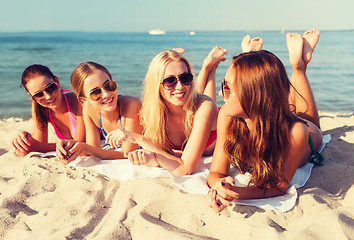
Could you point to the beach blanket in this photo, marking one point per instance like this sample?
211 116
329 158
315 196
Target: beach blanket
197 182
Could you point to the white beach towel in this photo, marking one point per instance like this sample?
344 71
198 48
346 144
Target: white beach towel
197 181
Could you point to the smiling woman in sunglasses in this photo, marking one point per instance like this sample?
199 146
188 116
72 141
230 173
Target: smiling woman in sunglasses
179 123
49 104
103 111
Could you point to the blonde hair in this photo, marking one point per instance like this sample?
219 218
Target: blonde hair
81 72
154 111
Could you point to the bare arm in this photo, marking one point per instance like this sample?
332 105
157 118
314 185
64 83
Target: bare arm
224 185
184 165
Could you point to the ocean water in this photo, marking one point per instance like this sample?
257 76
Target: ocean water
127 56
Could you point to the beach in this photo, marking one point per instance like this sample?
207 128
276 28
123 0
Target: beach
42 199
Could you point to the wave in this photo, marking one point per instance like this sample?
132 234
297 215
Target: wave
34 49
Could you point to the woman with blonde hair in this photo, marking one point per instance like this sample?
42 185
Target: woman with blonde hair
179 123
50 104
103 111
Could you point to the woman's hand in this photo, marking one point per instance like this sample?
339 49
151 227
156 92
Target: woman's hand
116 137
225 187
22 143
216 202
68 150
141 156
222 194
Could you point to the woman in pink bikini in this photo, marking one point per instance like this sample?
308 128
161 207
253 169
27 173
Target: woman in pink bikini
49 104
179 121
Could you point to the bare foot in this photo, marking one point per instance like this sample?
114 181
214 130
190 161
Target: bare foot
179 50
295 42
310 40
254 44
215 56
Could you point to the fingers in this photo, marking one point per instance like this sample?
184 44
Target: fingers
22 142
139 157
215 202
73 156
68 150
230 180
115 138
226 188
26 137
61 152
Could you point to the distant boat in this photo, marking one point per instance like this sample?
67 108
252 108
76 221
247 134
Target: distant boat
156 32
192 33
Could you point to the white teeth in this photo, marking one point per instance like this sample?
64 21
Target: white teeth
109 101
179 94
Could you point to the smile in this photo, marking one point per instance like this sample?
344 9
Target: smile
179 95
108 101
51 101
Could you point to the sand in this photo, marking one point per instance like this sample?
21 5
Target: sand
42 199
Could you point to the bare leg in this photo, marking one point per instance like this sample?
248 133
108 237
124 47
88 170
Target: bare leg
311 38
300 53
254 44
206 76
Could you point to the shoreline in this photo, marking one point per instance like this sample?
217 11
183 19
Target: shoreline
41 198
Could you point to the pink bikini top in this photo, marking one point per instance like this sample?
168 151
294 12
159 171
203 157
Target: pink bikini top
71 117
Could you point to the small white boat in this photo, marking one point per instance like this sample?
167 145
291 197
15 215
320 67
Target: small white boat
192 33
156 32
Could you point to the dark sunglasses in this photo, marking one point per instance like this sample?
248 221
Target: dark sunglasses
170 83
110 86
224 88
50 89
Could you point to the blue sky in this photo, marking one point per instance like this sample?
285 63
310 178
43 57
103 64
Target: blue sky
181 15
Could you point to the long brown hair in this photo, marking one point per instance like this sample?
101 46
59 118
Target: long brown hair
263 87
28 74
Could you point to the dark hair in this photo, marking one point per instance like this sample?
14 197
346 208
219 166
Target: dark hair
263 87
32 72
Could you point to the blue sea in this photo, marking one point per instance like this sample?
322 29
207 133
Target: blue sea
127 56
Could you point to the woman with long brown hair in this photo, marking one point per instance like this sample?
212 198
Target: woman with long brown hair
264 128
50 104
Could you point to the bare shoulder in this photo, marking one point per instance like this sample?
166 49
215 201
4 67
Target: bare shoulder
299 133
206 104
129 105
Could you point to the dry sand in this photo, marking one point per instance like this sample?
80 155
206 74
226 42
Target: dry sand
42 199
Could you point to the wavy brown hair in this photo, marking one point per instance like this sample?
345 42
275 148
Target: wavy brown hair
31 72
263 87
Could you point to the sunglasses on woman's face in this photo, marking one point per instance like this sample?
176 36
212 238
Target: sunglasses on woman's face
170 83
50 89
109 86
225 89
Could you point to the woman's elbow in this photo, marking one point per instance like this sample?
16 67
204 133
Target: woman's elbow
183 171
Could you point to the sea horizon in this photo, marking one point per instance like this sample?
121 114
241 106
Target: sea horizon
127 56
